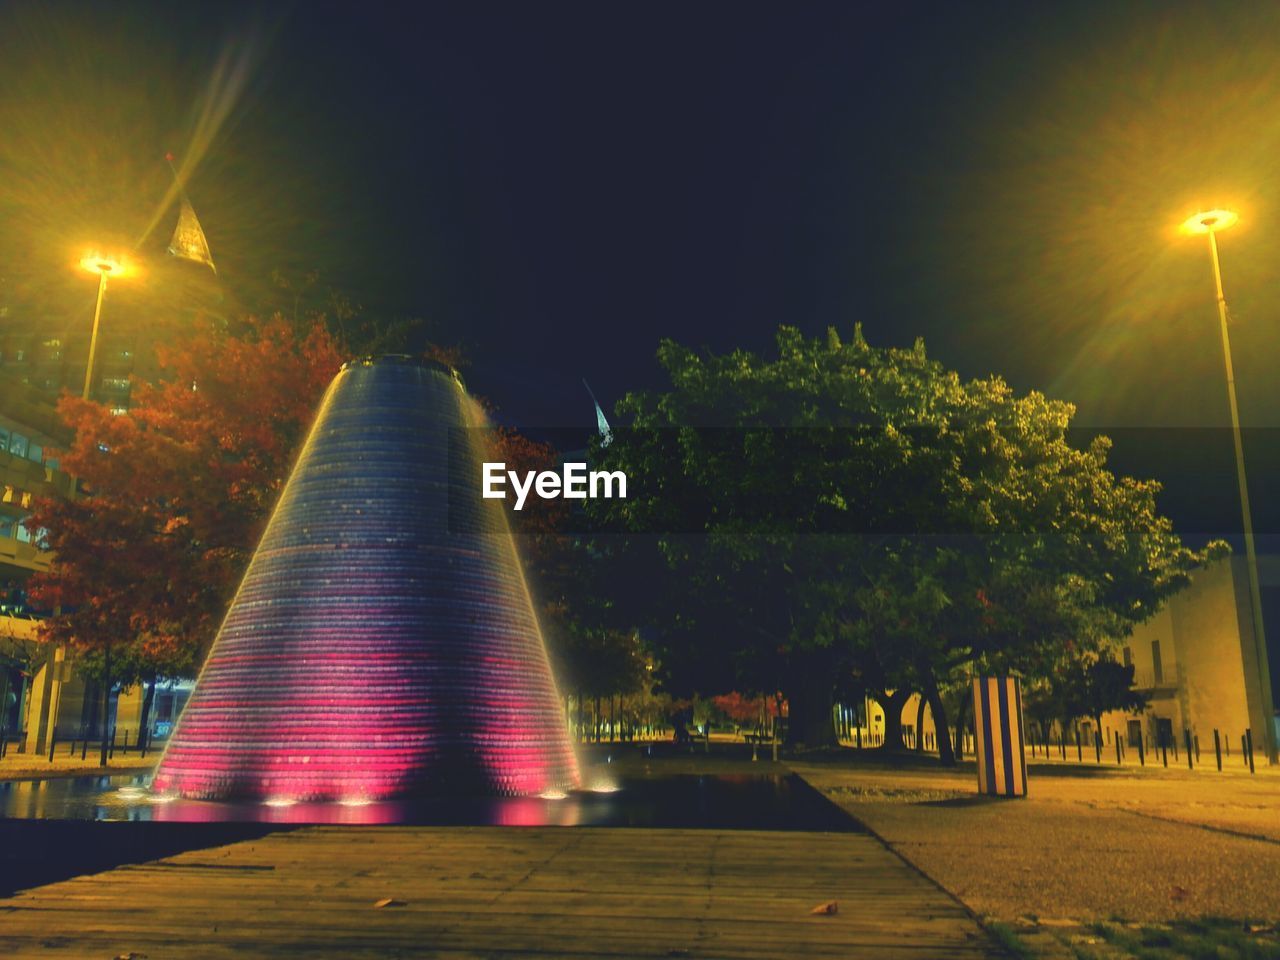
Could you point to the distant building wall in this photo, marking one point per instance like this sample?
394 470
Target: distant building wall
1195 659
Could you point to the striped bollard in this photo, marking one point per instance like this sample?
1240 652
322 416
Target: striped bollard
997 712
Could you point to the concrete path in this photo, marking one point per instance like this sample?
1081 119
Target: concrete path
502 892
1087 844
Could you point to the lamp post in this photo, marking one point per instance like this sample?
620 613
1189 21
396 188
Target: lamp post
104 267
1211 222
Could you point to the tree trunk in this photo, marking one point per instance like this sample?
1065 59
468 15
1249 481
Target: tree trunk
960 714
144 719
89 709
892 704
811 697
920 724
941 734
106 704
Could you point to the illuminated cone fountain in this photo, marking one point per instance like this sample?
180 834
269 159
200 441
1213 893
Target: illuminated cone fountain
383 641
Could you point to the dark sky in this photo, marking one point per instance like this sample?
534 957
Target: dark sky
563 184
560 185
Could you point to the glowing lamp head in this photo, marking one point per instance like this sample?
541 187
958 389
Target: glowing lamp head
104 266
1209 221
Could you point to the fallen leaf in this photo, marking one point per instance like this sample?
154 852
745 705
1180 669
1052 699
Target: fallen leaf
389 902
826 909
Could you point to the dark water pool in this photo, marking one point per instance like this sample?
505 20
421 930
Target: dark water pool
54 829
744 802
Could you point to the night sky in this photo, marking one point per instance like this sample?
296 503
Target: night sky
560 185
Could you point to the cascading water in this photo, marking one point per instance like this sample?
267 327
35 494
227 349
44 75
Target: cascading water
383 641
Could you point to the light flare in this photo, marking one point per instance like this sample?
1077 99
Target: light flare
1209 221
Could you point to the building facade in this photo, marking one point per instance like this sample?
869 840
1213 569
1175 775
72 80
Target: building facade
29 430
1197 663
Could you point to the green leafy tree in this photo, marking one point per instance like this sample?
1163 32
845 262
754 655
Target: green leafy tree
844 508
1099 685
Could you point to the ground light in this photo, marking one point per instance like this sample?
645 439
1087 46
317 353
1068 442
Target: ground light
1212 222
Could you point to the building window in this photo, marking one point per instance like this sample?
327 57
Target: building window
115 383
4 439
118 411
35 452
18 445
1157 665
24 535
6 527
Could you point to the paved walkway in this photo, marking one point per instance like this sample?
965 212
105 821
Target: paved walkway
502 892
1087 844
26 766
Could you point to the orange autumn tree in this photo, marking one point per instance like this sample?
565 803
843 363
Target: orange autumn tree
174 495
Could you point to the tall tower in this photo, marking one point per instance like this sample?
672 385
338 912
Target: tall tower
383 641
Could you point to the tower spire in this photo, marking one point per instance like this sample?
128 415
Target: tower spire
602 424
188 241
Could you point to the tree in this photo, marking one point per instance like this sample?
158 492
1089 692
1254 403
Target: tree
304 300
849 508
594 654
175 494
1099 685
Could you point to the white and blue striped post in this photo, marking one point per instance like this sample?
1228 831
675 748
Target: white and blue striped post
999 748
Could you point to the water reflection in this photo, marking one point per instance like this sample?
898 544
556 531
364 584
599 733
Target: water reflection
721 802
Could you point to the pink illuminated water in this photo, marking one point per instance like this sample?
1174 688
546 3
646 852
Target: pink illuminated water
383 641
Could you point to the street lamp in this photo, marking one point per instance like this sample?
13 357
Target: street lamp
1210 222
104 267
